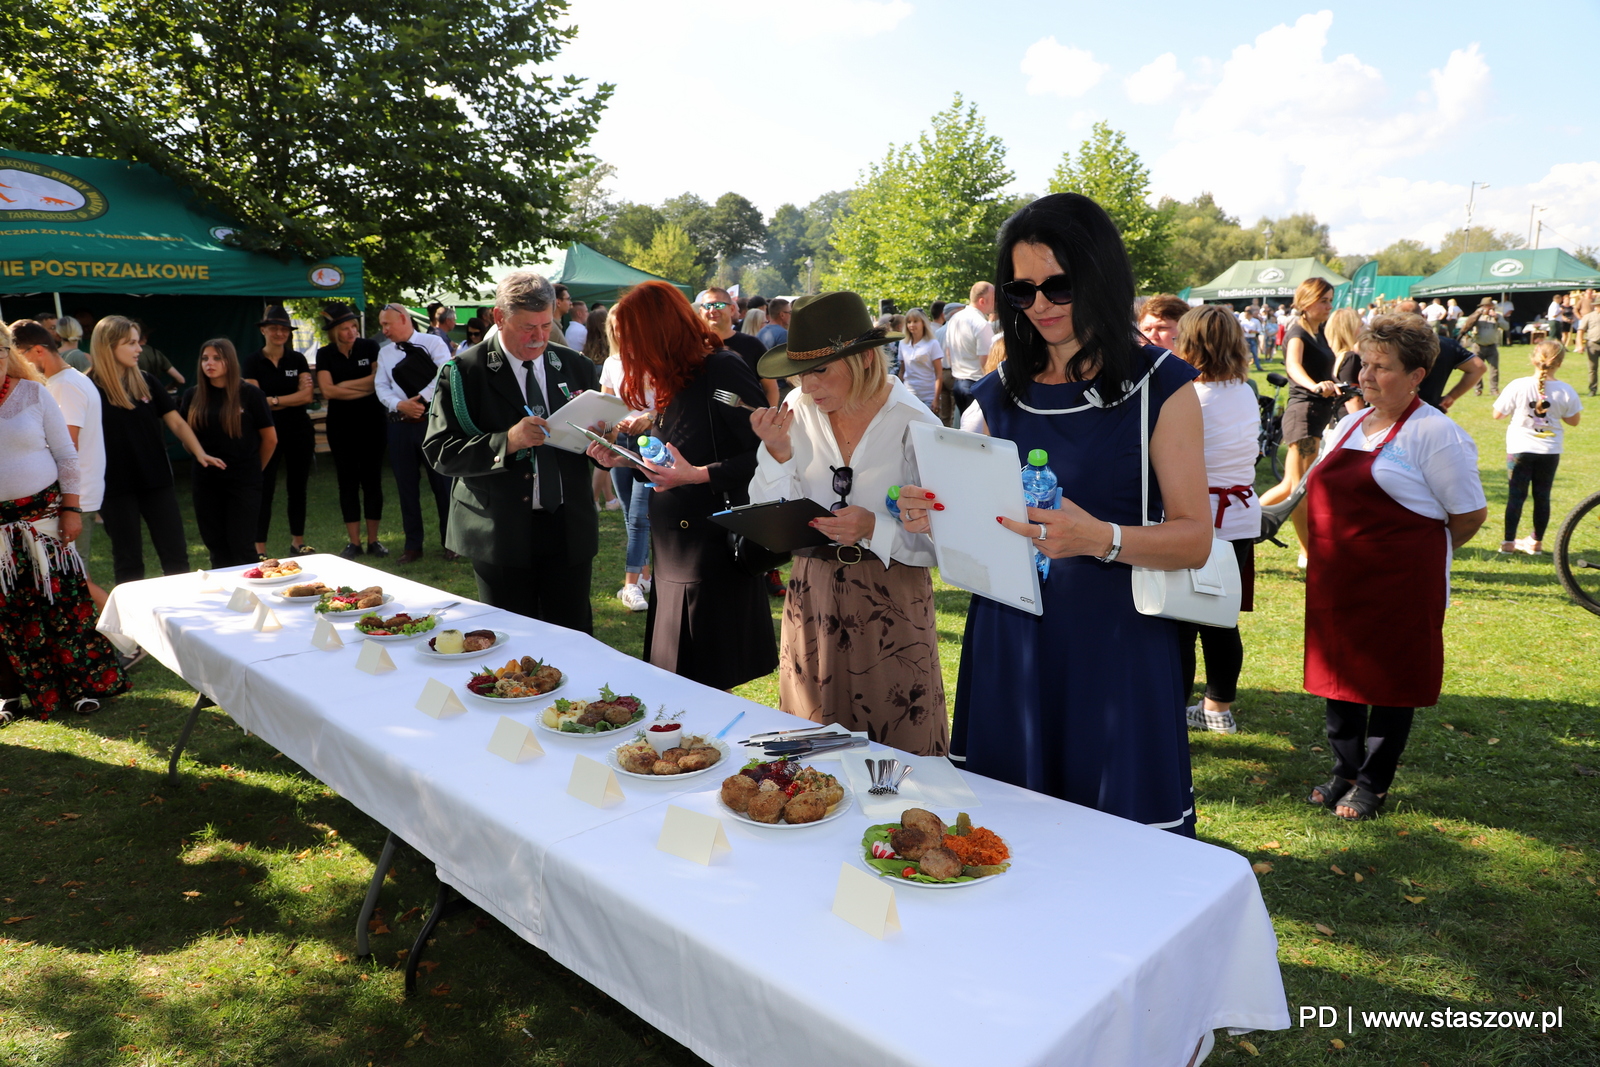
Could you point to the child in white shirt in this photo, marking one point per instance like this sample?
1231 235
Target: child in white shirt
1537 408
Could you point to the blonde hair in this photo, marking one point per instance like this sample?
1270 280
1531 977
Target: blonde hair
866 379
17 365
1343 327
69 329
996 356
122 385
754 320
1546 358
1211 341
917 315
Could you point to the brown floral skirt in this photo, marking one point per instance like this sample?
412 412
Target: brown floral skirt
861 648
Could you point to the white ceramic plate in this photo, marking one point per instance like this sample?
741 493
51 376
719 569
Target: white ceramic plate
500 638
393 638
932 885
283 598
628 728
283 579
500 701
616 761
355 613
833 812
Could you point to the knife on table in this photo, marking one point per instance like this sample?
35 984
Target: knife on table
805 747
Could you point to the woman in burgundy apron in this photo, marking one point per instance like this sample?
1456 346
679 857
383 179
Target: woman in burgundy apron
1372 557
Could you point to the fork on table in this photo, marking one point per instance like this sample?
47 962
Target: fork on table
734 400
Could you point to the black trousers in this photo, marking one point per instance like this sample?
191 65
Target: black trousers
225 513
296 446
1223 649
359 448
1538 471
159 510
405 456
551 588
1367 746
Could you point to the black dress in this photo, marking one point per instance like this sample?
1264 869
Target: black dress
296 439
358 431
227 500
709 620
1307 414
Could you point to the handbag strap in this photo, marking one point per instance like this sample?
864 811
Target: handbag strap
1144 441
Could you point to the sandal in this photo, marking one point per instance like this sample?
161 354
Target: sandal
86 706
1331 791
1363 801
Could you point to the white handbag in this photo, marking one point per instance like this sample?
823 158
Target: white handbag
1207 595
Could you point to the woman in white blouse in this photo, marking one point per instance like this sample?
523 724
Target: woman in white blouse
922 360
1387 505
860 644
49 649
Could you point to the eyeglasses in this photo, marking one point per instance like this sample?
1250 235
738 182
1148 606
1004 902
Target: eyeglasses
715 305
1020 294
843 479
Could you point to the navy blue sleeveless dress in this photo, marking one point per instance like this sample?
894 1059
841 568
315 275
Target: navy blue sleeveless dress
1084 702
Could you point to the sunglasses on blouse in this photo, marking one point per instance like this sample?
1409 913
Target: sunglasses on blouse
1020 294
843 479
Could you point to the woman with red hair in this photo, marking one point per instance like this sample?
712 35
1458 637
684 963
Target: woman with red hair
709 618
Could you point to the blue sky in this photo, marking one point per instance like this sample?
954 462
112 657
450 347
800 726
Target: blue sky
1373 116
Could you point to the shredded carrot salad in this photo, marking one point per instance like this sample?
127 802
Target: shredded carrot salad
980 848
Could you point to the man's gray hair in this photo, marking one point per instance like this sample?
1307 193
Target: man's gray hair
524 290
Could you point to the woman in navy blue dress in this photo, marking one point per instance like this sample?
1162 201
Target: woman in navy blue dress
1086 701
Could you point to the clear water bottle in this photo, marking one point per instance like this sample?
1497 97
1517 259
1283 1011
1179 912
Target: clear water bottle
892 501
1039 491
655 450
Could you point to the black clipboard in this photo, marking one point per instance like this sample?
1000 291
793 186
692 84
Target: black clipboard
778 525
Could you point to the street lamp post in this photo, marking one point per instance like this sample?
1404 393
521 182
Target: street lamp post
1532 210
809 264
1267 250
1472 192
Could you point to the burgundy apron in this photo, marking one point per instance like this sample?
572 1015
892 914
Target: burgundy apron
1375 586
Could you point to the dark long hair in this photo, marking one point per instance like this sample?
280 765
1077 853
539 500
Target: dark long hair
225 398
1087 245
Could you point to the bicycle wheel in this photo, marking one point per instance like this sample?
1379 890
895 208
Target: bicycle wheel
1577 554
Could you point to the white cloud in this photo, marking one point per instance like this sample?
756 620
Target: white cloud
829 18
1055 69
1154 82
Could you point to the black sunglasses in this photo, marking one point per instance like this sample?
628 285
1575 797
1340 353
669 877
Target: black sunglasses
1020 294
843 479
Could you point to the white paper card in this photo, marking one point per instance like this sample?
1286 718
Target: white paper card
326 635
266 620
438 700
374 658
208 582
593 783
865 901
514 740
243 601
692 835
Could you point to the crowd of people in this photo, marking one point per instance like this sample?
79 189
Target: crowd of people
738 400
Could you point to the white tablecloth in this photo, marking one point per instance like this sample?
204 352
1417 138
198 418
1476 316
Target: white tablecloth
1107 944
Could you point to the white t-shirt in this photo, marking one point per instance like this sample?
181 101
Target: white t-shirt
611 380
577 336
967 339
79 401
1529 431
1232 422
1431 466
916 367
1248 324
1433 312
1453 312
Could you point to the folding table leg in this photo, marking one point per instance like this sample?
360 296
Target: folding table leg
447 903
373 890
201 703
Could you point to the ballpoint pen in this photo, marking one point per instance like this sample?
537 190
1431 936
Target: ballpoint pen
724 731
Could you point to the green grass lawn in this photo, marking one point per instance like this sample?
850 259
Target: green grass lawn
211 923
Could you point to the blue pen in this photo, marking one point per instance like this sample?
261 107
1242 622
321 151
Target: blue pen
529 411
724 731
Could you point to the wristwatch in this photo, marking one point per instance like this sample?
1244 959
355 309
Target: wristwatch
274 400
68 507
1116 544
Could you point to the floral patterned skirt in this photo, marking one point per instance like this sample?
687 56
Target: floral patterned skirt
50 643
861 648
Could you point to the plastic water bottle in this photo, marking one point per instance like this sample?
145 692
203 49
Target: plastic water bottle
1039 491
892 501
655 450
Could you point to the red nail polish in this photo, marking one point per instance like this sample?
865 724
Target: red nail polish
999 519
930 496
938 507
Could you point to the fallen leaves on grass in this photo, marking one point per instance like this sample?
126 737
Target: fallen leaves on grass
1415 900
1263 867
70 815
1336 1043
20 918
409 914
1359 878
191 893
440 990
1258 780
1321 929
1336 870
1248 1047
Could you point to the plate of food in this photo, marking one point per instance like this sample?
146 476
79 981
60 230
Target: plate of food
602 716
399 627
520 681
921 850
691 756
352 602
302 592
784 795
471 643
273 572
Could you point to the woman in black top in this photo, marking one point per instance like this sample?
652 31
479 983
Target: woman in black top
133 408
231 420
358 429
1313 394
285 377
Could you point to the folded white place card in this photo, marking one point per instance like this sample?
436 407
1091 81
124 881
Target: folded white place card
266 620
514 740
593 782
374 658
208 582
243 601
692 835
439 700
865 901
326 635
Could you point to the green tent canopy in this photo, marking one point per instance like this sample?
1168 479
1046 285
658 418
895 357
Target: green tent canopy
1253 279
588 276
1541 270
1395 286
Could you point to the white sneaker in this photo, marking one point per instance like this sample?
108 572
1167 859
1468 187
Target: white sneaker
644 586
614 504
633 598
1218 722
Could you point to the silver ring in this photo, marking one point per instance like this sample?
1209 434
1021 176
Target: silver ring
1043 533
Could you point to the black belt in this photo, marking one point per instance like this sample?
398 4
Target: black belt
836 553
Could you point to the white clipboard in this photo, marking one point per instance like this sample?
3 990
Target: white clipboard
977 477
585 409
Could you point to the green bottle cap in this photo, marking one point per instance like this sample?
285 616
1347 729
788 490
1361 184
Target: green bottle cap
1038 457
894 492
644 443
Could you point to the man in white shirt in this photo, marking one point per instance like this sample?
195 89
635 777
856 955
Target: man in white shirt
967 338
578 330
1252 334
79 401
408 368
1434 313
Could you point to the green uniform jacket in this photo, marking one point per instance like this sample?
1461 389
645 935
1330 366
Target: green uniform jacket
490 506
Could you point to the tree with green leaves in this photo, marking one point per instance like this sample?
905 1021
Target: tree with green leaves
735 228
1297 236
1205 240
1478 239
1408 257
923 222
1111 174
670 255
786 245
630 222
417 134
